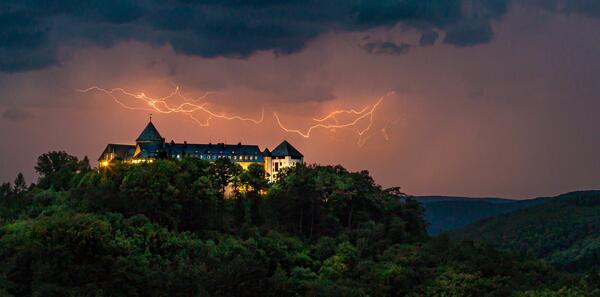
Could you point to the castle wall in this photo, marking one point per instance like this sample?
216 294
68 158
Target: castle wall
278 164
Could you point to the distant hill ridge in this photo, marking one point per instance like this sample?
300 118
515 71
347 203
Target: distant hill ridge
445 213
564 230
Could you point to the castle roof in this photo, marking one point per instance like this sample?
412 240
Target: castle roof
150 149
150 133
266 153
121 151
286 149
150 144
252 152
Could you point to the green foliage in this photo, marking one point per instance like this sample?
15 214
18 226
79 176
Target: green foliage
20 184
563 230
57 169
79 254
192 228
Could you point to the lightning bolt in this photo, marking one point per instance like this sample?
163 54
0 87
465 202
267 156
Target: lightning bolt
361 120
367 113
161 104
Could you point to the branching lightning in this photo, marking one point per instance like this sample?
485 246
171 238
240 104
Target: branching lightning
367 113
359 120
161 105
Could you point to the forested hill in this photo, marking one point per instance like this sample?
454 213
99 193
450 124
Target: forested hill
564 230
166 229
446 213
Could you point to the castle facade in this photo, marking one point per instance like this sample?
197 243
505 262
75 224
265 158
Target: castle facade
150 145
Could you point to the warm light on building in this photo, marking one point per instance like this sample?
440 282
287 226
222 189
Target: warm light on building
150 146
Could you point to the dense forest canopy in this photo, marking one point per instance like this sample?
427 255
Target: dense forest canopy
170 228
563 231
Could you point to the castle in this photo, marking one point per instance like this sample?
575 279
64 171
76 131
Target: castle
150 145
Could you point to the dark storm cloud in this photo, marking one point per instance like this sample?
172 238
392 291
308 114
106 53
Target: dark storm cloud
469 33
428 38
24 43
33 32
386 48
589 8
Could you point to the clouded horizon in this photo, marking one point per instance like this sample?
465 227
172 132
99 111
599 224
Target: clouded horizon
491 98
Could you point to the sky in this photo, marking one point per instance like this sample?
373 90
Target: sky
485 98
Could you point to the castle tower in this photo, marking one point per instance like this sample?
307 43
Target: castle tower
149 144
149 134
283 156
268 161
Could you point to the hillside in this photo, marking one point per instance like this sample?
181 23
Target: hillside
563 231
166 228
446 213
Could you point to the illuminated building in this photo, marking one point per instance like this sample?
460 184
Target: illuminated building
150 145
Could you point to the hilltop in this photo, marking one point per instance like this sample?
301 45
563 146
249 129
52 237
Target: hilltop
563 230
446 213
165 229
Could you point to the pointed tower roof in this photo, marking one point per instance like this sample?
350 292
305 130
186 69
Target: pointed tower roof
266 153
286 149
149 134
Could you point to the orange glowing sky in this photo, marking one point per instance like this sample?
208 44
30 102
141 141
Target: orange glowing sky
359 121
515 116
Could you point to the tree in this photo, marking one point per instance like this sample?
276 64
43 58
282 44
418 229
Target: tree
84 165
298 200
254 181
5 190
56 169
55 161
20 184
224 172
